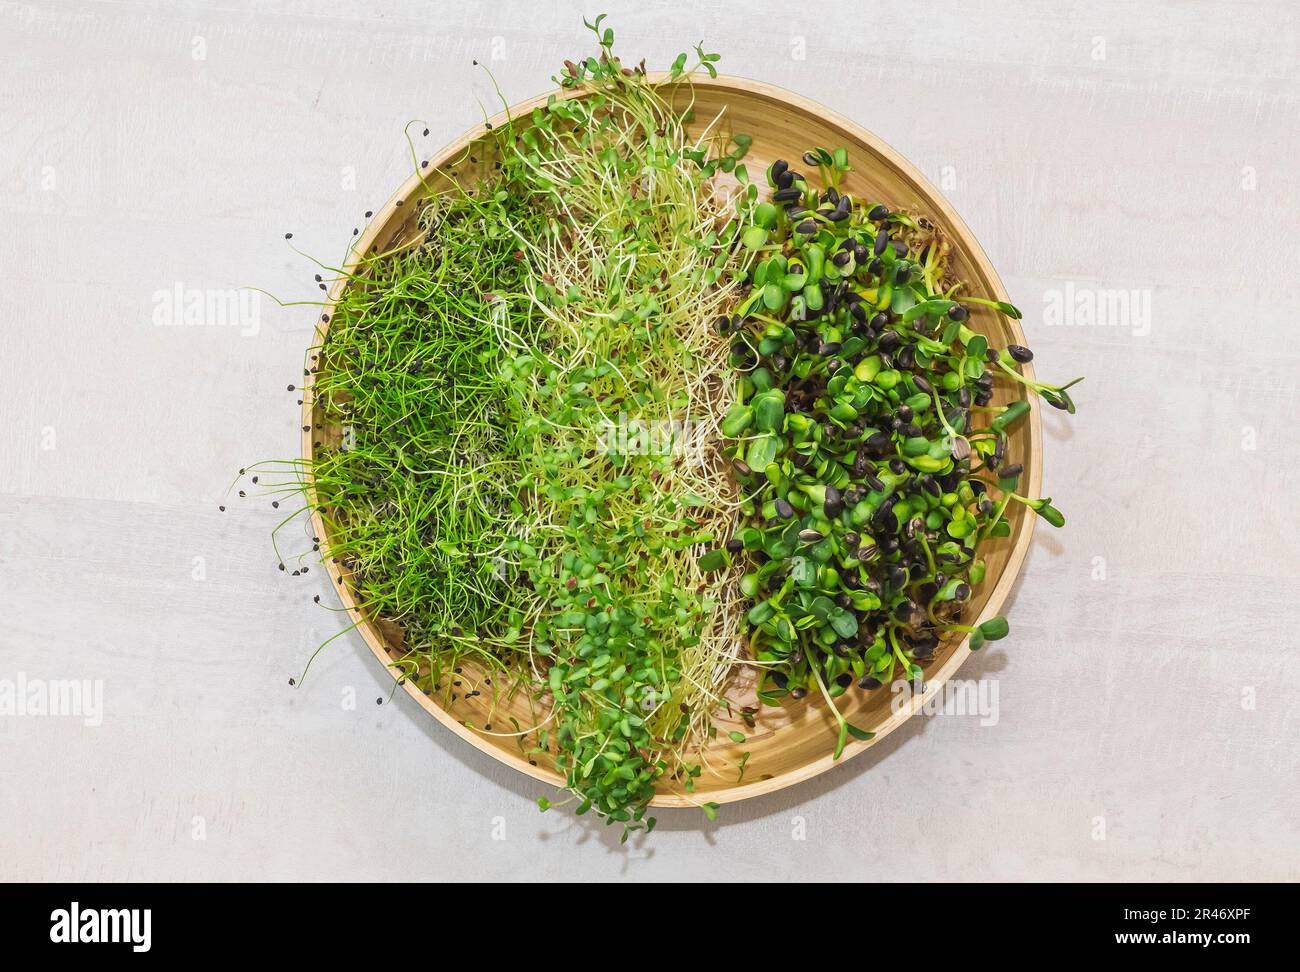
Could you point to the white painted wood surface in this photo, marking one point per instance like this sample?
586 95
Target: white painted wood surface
1147 717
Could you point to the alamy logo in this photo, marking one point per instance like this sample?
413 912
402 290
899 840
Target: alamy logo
25 696
183 306
1076 306
94 925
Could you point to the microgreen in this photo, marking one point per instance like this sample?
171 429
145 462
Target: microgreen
833 466
871 459
480 497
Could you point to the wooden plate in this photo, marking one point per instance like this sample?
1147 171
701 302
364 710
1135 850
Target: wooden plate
794 742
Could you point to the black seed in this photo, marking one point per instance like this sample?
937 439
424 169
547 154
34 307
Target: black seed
735 546
882 241
798 693
833 503
1020 353
957 313
784 509
878 213
1011 472
809 536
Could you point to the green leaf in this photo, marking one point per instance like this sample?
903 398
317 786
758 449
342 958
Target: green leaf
845 622
804 571
1052 515
754 237
995 629
736 737
842 740
761 451
822 607
710 810
711 561
936 306
769 410
738 418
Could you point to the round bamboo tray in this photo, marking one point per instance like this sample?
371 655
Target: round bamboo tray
795 741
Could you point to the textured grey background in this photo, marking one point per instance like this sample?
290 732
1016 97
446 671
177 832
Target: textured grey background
1148 709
